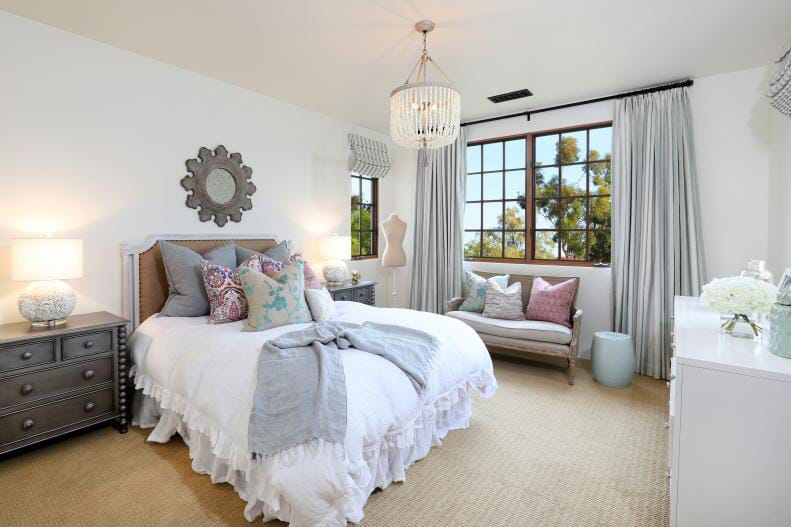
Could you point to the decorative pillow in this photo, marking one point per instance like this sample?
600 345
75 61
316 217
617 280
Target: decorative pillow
321 304
226 298
505 304
473 289
263 264
275 301
279 252
270 267
187 297
312 280
551 303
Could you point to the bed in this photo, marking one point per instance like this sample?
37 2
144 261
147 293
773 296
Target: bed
197 380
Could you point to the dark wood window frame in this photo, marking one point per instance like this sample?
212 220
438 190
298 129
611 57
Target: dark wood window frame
374 227
530 209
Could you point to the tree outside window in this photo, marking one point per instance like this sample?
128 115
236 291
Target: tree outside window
548 202
364 231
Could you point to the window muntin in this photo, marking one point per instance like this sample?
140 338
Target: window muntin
364 224
554 207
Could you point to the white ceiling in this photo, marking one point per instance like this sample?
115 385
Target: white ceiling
343 57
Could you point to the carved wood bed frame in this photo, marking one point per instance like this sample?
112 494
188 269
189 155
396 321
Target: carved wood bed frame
145 287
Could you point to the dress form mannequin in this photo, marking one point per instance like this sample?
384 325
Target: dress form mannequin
394 229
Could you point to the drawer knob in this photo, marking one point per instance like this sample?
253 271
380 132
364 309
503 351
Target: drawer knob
88 375
667 425
27 424
88 344
89 406
26 355
27 389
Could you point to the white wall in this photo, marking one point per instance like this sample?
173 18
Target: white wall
732 133
732 138
93 143
780 194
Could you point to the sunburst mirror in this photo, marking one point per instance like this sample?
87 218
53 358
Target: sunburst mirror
219 186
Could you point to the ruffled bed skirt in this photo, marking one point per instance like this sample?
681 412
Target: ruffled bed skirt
378 465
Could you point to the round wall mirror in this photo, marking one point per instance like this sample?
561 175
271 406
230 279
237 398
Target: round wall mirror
219 185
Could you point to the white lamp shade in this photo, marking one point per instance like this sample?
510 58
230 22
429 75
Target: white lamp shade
336 248
46 259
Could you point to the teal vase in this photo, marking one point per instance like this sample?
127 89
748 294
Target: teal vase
780 326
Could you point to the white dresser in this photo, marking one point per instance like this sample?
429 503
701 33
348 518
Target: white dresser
730 427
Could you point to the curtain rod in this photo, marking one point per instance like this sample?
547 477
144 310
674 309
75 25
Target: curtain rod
642 91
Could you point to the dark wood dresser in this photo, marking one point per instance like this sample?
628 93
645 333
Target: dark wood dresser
60 379
363 291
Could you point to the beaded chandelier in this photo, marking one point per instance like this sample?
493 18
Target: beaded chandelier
425 114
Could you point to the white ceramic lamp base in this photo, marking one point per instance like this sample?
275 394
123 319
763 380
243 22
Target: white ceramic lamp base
47 303
335 272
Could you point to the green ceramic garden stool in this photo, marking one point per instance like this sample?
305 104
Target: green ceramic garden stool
613 359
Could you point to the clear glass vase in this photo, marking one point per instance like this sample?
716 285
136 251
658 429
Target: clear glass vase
757 269
739 325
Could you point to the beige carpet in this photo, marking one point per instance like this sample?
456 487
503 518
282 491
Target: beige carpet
540 453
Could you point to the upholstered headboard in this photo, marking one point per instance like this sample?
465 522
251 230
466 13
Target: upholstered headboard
145 284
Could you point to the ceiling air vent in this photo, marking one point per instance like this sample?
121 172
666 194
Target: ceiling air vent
510 96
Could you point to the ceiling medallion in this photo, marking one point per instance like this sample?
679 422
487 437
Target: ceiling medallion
425 114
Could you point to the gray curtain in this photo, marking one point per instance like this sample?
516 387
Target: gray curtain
656 226
439 206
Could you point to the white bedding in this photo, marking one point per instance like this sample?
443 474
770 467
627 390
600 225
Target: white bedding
199 381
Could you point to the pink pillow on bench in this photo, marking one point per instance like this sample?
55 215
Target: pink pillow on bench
551 303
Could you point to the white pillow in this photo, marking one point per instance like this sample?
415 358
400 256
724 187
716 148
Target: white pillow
321 304
505 304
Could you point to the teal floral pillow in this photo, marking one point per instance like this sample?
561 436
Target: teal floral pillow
473 289
275 301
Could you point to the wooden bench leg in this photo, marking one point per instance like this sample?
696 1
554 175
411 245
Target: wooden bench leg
572 370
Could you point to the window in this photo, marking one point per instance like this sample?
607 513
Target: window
364 216
540 197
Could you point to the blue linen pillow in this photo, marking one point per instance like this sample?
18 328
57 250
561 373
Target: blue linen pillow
278 252
473 289
186 293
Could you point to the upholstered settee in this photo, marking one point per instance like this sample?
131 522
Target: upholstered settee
521 337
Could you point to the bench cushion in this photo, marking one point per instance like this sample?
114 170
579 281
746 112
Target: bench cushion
516 329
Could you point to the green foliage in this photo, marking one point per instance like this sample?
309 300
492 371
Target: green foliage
569 151
362 219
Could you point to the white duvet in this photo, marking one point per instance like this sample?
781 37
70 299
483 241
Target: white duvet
199 380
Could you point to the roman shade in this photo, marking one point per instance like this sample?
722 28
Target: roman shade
368 157
780 85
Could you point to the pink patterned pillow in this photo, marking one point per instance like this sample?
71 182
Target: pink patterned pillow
224 289
270 267
263 264
312 281
551 303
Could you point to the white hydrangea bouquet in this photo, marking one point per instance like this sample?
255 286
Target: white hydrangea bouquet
741 298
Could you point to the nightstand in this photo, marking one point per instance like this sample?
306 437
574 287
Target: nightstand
363 292
57 380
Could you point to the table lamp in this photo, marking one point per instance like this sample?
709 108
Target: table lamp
46 261
335 249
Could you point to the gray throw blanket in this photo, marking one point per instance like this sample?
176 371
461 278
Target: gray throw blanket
301 391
